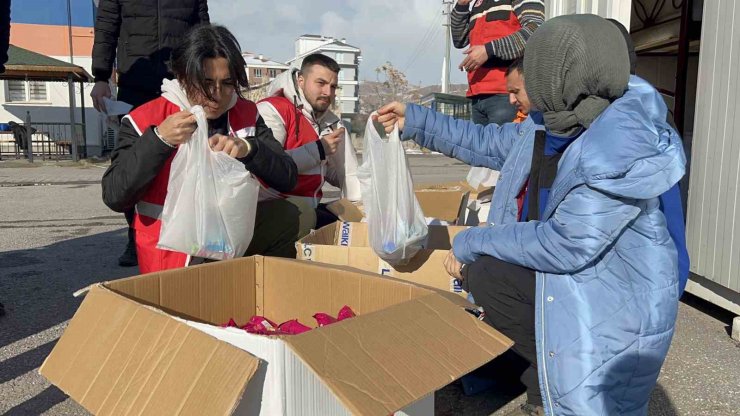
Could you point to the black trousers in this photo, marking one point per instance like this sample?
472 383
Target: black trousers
129 214
507 294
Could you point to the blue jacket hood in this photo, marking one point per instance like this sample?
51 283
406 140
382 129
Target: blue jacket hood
630 150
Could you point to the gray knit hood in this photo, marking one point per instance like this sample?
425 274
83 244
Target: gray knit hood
574 67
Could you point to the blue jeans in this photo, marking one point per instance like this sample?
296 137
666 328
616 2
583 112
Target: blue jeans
493 108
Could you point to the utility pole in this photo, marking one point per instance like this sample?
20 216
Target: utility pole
69 28
448 41
71 85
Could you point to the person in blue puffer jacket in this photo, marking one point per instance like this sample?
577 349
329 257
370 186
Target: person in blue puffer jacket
576 265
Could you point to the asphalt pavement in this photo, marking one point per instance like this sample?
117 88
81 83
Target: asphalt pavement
56 237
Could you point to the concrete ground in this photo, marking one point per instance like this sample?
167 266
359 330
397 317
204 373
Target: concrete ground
56 236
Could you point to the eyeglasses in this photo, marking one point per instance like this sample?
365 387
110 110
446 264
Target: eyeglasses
225 87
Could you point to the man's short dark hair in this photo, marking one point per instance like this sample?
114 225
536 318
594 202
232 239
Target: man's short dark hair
319 59
517 65
203 42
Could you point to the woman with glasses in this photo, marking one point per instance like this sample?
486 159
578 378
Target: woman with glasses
210 69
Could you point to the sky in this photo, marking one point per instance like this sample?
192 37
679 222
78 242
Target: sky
408 33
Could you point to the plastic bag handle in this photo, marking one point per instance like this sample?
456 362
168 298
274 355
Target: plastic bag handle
393 136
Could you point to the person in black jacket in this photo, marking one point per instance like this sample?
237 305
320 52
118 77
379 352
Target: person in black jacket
209 67
139 36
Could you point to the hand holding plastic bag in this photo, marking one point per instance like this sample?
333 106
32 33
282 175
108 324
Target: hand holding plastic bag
211 197
396 222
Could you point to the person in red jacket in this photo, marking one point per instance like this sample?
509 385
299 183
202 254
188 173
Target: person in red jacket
208 65
495 32
299 113
137 37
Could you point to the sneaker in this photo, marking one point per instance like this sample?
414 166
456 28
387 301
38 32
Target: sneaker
128 258
527 410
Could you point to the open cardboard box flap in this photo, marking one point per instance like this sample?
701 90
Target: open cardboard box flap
377 366
125 353
120 357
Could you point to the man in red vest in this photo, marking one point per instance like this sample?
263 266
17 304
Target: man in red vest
298 112
496 32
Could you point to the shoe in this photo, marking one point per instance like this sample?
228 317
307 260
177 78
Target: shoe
128 258
2 309
527 410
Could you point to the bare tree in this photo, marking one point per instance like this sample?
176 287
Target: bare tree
390 85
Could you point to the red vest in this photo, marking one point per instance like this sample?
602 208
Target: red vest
299 131
490 20
149 208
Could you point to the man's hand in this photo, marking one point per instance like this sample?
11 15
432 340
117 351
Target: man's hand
331 141
463 2
453 266
390 114
477 56
178 128
234 147
100 90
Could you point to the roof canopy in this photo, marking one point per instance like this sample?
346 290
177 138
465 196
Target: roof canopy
24 64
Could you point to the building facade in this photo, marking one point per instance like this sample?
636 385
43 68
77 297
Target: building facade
42 26
262 70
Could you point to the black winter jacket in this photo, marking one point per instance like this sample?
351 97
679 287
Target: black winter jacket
141 35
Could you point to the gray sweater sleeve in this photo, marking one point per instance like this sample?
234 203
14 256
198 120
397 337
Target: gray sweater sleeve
531 15
460 26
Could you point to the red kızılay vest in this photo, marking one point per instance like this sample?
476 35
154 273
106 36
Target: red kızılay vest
490 20
299 131
147 224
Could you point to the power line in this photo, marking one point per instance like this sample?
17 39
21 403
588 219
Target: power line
425 40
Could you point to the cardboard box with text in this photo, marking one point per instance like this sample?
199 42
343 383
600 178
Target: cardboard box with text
152 345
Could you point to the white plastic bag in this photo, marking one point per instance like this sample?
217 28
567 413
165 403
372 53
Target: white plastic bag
211 198
345 161
396 223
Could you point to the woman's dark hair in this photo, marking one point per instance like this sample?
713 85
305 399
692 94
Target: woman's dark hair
203 42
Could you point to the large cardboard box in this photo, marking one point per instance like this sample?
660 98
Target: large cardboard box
447 206
459 186
347 244
151 345
448 202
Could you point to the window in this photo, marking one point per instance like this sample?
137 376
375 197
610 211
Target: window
258 72
341 75
340 58
25 91
348 107
272 73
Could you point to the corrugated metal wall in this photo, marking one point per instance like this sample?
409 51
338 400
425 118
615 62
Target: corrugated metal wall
615 9
713 222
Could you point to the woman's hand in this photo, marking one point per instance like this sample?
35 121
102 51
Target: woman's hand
453 266
232 146
390 114
178 128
